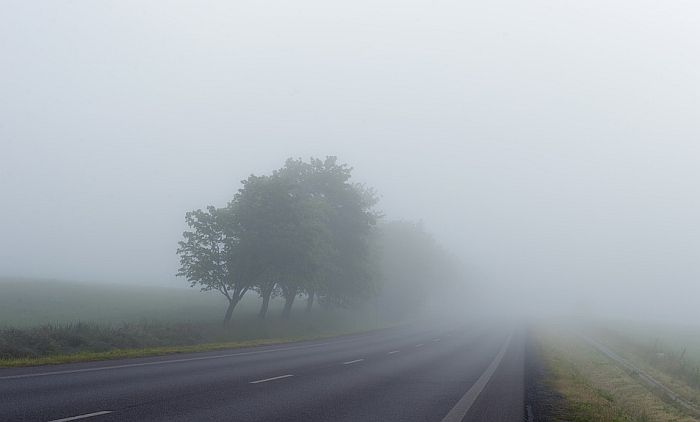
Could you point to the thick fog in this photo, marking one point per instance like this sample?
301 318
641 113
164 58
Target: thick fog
552 145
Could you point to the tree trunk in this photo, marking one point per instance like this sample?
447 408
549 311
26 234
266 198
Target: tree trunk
265 301
289 301
229 311
310 301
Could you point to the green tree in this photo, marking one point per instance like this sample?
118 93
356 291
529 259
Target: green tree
414 268
208 256
279 230
304 229
346 274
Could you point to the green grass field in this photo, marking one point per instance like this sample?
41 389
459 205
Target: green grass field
48 321
26 303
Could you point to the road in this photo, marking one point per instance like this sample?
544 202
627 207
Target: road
418 373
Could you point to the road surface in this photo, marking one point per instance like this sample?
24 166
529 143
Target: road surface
426 373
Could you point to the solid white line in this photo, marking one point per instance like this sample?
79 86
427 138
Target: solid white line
420 345
462 407
164 362
87 415
272 379
352 361
392 352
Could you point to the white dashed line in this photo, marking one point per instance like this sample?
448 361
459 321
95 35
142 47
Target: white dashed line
392 352
352 361
272 379
436 339
87 415
420 345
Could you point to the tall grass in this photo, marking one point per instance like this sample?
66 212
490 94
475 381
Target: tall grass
43 318
74 338
671 361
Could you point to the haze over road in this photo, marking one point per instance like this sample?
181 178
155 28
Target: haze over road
417 373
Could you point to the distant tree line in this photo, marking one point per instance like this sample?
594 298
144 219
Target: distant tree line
307 230
415 270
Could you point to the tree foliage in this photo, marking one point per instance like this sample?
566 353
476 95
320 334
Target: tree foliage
208 256
303 229
414 268
307 229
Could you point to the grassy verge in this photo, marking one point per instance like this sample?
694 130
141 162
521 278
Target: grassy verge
667 362
49 322
593 388
90 342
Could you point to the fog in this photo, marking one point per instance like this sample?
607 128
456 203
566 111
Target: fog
551 145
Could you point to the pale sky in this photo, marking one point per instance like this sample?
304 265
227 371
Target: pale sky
553 145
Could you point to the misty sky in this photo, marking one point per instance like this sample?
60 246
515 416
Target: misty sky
550 144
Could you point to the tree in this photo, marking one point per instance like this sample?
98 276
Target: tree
346 272
208 256
304 229
414 268
255 221
279 231
308 229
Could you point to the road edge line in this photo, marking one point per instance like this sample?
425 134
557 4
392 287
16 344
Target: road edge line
459 411
85 416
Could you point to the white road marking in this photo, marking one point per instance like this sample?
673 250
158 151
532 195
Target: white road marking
87 415
436 339
420 345
462 407
272 379
164 362
352 361
393 351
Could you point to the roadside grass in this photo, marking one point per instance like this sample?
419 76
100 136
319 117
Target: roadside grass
671 365
594 388
90 342
681 341
65 322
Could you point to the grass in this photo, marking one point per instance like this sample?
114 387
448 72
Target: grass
30 302
667 353
595 389
48 322
662 337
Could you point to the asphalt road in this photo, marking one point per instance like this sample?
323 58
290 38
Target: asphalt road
427 373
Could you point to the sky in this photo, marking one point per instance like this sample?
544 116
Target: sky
552 145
